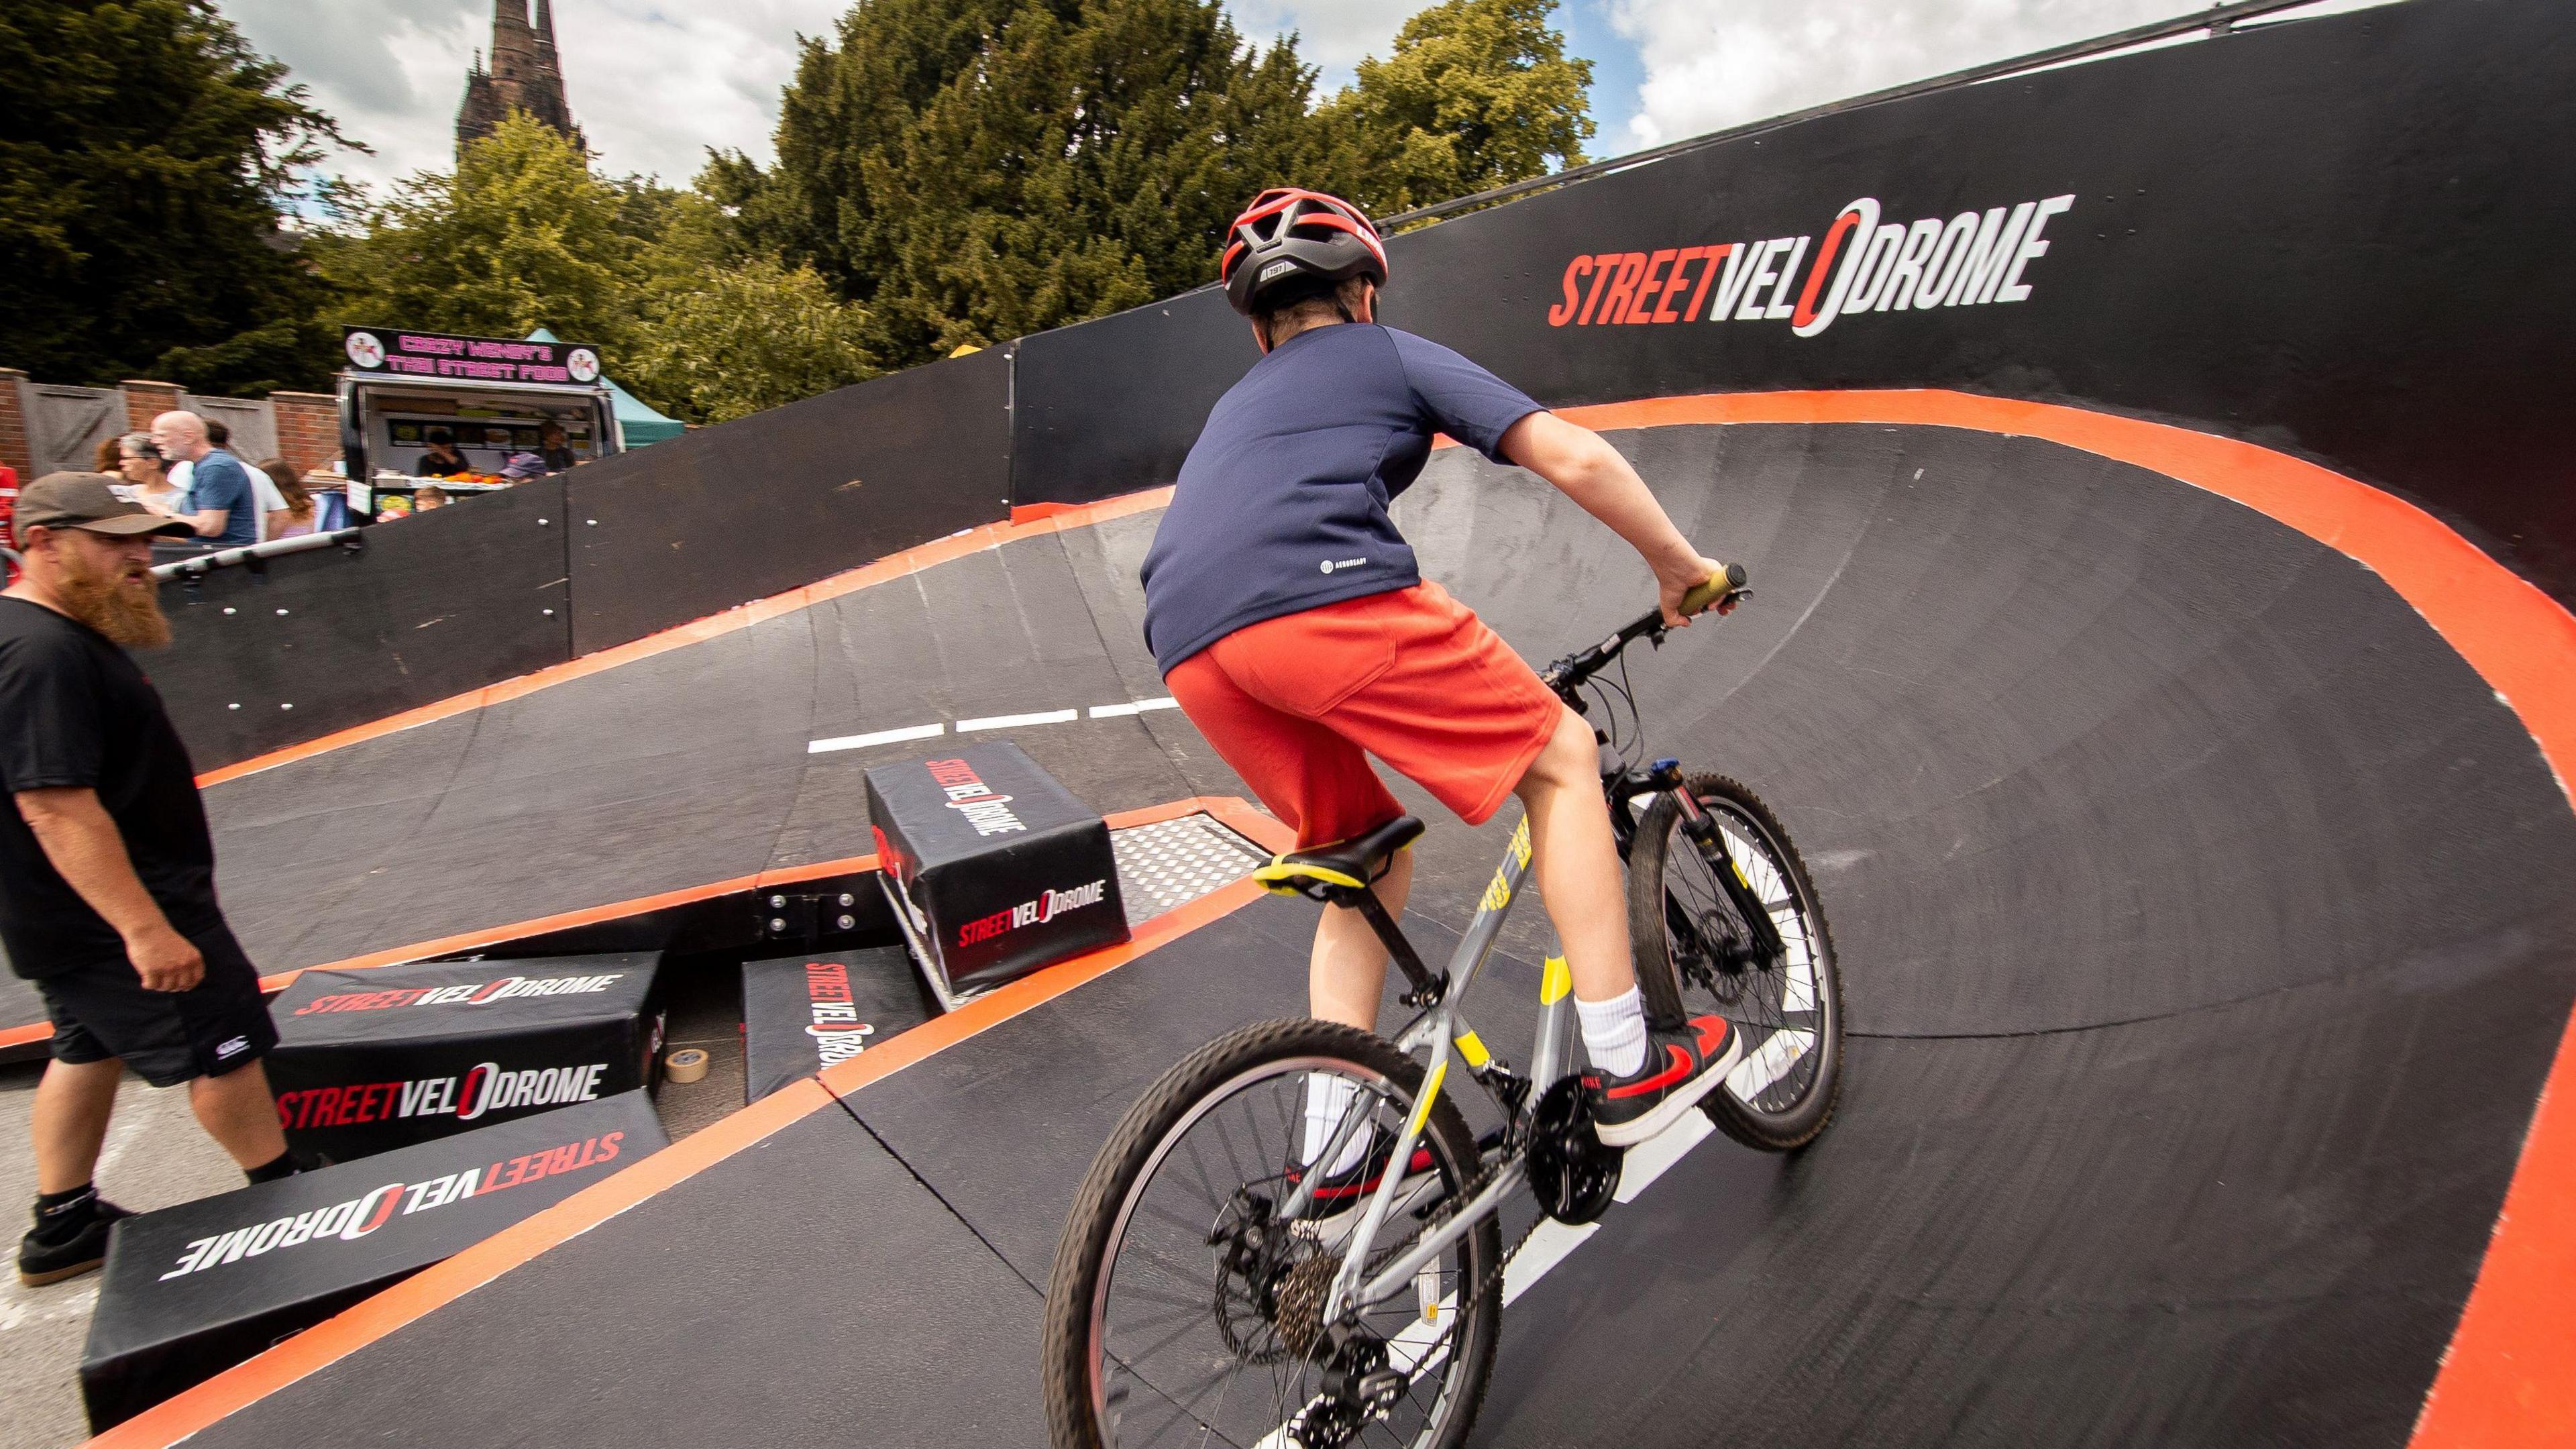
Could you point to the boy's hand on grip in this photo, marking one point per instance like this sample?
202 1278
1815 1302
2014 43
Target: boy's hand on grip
1709 584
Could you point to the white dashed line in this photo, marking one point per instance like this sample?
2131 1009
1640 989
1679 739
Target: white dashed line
988 722
1118 711
1014 721
881 737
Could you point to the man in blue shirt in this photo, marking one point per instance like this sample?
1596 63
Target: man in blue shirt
1292 625
225 510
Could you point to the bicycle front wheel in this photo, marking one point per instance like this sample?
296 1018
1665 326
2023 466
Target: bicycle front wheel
1693 950
1185 1306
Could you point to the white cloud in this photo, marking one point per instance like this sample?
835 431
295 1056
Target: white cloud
1712 65
1333 34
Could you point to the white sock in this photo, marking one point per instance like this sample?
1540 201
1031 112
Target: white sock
1328 1099
1614 1032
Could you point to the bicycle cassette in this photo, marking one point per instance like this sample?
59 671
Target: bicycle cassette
1573 1174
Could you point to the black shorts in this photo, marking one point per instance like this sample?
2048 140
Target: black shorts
166 1037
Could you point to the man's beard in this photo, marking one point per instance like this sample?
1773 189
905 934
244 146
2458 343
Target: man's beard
117 605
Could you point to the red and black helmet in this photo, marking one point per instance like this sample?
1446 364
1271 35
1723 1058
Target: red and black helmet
1287 235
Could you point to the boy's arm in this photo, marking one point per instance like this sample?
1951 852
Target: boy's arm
1588 470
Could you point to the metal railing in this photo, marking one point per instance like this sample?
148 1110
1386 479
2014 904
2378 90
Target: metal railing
254 555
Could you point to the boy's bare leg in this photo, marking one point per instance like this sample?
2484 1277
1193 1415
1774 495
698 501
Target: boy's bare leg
69 1118
1347 973
237 1111
1577 861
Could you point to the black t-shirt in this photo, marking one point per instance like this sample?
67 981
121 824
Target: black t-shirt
431 466
76 711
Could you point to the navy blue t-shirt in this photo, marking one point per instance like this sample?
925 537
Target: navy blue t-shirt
219 481
1282 503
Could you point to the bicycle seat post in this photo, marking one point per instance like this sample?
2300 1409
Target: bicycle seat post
1428 990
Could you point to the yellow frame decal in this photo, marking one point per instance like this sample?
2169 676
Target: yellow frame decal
1554 982
1430 1094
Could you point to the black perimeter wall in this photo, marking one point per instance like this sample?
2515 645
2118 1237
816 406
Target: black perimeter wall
2344 238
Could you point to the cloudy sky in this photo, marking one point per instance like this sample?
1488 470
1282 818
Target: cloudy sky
655 82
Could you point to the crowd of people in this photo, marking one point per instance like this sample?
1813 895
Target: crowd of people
184 469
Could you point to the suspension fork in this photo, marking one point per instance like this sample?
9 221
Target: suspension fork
1702 829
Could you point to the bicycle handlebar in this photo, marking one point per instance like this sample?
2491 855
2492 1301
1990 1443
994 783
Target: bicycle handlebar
1566 673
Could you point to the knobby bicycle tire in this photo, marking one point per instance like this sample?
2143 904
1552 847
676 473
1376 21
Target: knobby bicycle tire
1666 992
1172 1104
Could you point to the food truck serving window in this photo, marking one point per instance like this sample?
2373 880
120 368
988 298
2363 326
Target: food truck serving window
469 414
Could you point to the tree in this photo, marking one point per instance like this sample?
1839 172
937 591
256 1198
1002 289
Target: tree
146 156
998 168
521 235
1477 94
746 338
986 169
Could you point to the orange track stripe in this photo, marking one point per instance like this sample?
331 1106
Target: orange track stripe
433 1288
1055 519
2509 1376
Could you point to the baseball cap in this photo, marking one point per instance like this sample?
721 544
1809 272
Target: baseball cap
88 500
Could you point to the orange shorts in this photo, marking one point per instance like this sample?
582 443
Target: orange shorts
1412 677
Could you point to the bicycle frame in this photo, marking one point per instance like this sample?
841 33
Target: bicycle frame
1442 1028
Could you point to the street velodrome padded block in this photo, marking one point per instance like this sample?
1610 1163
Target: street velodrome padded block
372 1060
801 1014
1000 869
190 1291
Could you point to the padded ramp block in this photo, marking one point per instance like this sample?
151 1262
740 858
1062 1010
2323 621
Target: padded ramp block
805 1293
1000 869
191 1290
801 1014
370 1060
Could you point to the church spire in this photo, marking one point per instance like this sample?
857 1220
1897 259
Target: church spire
525 75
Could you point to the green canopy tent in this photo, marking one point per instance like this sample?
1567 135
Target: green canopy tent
637 423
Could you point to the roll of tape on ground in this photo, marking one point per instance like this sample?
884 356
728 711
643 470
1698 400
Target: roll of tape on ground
686 1065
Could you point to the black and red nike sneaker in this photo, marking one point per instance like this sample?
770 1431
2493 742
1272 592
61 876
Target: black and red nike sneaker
1338 1192
1681 1067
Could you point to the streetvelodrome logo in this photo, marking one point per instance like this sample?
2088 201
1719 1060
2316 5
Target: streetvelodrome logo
1862 265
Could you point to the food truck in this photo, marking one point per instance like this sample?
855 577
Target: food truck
488 399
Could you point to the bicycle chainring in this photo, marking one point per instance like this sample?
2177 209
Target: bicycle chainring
1573 1175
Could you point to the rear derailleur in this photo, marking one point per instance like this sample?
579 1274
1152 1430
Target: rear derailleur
1358 1387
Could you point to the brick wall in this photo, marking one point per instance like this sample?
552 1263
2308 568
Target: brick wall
145 401
14 449
308 428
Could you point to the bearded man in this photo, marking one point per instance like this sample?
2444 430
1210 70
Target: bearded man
107 873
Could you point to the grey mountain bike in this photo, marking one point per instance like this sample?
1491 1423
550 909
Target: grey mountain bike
1211 1289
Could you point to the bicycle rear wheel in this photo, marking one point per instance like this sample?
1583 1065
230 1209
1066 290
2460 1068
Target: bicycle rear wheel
1183 1309
1692 945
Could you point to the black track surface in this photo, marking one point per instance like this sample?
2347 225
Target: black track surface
2203 925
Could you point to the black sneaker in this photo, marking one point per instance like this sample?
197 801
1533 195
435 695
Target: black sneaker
1681 1067
40 1263
1338 1192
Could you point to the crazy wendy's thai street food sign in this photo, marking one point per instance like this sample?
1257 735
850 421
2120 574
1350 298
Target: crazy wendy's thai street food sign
468 359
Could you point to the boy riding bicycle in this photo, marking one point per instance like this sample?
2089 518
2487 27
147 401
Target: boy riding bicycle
1290 622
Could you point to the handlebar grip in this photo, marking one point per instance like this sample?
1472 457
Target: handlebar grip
1703 597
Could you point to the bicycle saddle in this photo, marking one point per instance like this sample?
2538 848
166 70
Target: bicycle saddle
1345 864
